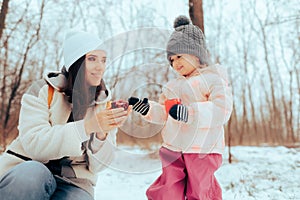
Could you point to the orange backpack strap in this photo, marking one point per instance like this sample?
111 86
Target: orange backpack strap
50 95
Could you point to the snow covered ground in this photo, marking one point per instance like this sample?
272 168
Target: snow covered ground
258 173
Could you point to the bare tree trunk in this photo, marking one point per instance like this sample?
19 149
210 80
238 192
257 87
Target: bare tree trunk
3 13
196 13
236 123
18 77
275 125
287 107
253 116
265 114
229 141
263 124
290 122
245 49
245 121
3 95
297 76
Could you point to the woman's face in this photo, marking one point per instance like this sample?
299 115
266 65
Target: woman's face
95 63
184 64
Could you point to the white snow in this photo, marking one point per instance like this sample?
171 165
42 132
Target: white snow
257 173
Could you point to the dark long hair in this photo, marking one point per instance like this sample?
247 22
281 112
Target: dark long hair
77 91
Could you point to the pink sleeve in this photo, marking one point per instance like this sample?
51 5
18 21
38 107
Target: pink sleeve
217 109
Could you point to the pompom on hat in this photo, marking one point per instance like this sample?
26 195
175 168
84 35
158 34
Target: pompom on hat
78 43
187 39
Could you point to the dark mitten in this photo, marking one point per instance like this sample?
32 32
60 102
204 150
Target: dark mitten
138 105
179 112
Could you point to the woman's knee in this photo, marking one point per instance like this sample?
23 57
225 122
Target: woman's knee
29 177
32 171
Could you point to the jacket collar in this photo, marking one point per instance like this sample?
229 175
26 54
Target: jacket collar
58 81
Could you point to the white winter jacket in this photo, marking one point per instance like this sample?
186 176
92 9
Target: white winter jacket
44 134
208 97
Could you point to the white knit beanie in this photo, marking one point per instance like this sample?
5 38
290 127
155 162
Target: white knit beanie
77 44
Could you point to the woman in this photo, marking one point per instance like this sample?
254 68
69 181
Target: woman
65 138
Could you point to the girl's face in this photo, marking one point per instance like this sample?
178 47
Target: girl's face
185 64
95 63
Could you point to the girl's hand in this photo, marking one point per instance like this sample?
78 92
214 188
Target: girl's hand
179 112
138 105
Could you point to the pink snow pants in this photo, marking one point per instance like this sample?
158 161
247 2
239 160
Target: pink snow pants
186 176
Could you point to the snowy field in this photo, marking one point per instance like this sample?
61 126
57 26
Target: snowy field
258 173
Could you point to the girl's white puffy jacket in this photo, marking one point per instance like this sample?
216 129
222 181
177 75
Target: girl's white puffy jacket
44 134
208 97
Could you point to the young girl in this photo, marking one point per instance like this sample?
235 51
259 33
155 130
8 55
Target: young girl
65 136
194 109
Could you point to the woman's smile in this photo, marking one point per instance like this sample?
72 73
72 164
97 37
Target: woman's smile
97 75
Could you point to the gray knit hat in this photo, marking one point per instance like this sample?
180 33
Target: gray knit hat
187 39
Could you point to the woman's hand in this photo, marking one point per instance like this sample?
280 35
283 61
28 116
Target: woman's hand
105 120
